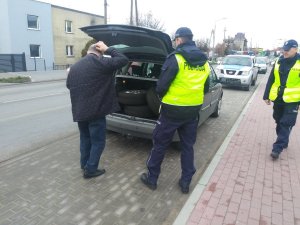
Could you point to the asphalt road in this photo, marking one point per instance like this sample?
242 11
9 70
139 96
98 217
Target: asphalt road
32 116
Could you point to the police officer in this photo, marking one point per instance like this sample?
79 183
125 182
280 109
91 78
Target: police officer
181 86
283 88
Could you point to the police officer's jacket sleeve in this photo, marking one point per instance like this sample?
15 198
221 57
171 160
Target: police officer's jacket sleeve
168 73
269 84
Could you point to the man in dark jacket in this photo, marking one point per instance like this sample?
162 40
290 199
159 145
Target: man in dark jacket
93 96
181 86
283 88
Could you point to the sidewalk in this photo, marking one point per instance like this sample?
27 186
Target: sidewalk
243 185
37 76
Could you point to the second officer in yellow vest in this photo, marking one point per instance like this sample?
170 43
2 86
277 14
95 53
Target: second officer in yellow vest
283 88
181 86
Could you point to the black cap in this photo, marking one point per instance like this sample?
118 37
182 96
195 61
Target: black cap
183 32
289 44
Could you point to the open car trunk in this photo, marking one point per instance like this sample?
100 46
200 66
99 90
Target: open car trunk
135 86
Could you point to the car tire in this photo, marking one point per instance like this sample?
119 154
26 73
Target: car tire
132 97
142 111
217 111
247 88
153 100
253 81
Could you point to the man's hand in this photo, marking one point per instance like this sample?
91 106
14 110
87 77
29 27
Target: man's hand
268 101
101 47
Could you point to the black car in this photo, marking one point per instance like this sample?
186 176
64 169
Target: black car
135 83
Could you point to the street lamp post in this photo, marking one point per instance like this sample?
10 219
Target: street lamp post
105 12
214 35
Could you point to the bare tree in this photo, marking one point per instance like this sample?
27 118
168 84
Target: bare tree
202 44
148 20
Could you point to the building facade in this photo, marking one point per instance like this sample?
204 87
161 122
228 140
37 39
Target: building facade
26 27
68 39
240 42
49 35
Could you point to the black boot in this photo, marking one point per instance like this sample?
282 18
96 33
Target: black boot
97 173
184 186
145 180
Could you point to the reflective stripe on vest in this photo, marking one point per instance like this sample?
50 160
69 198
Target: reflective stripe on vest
187 89
292 88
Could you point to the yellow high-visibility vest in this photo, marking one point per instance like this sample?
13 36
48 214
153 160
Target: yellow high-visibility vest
292 88
187 89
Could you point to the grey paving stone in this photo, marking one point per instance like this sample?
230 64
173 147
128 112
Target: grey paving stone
47 187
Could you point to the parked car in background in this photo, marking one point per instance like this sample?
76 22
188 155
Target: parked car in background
272 62
238 70
147 50
220 60
262 64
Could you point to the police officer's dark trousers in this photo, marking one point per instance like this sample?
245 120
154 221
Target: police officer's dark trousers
285 116
162 138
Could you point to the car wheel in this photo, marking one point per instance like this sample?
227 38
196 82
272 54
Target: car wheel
142 111
132 97
248 87
217 111
153 100
253 82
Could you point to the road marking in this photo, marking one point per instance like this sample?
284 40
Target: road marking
34 113
42 96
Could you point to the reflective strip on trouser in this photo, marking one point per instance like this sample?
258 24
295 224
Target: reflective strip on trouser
162 138
285 116
92 143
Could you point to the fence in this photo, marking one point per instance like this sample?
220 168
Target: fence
36 64
12 62
61 67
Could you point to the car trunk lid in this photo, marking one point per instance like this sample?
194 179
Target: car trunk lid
135 42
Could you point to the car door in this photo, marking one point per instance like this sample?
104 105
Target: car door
206 106
215 89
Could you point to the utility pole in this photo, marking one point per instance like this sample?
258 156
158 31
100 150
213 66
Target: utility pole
131 12
105 11
214 35
136 13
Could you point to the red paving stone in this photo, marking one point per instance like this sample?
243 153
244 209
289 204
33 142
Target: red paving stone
247 186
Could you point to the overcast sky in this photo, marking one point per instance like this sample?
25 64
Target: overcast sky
266 24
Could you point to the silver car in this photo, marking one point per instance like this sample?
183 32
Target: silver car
238 70
262 64
147 50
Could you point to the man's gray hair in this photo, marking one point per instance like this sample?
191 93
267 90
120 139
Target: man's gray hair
93 49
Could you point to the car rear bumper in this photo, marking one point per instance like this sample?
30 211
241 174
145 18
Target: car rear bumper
132 126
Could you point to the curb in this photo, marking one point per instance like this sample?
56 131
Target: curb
193 199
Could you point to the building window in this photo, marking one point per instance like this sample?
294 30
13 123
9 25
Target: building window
69 50
33 22
35 51
68 26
